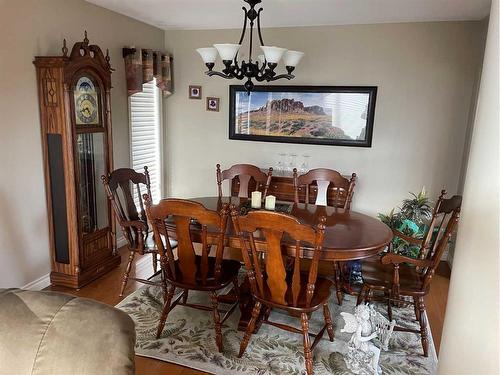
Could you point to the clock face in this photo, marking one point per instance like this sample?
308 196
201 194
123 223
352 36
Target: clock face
86 102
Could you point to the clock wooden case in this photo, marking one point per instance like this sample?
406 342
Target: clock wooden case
75 114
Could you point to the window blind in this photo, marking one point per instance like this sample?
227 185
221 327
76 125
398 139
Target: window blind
145 134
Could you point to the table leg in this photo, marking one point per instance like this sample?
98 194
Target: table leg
246 305
339 284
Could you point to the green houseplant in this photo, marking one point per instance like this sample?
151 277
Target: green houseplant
411 219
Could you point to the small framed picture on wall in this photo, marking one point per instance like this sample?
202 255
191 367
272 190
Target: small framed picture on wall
213 104
194 92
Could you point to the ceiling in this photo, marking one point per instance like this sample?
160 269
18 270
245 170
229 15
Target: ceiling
224 14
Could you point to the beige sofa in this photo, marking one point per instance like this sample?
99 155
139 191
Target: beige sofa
54 333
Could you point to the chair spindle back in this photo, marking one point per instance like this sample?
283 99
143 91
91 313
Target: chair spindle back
120 185
342 188
185 213
244 173
443 224
267 271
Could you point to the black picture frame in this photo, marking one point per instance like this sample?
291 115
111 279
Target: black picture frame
370 115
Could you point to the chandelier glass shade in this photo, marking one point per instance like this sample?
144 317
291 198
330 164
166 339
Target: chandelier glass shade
261 69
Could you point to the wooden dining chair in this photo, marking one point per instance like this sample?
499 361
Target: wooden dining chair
398 276
429 239
272 284
190 270
326 187
248 178
120 185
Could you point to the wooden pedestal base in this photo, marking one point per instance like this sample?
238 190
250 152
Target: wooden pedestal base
246 306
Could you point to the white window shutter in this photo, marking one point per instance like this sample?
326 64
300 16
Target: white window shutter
145 135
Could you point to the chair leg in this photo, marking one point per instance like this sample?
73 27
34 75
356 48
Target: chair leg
236 288
155 262
307 344
126 274
338 282
389 306
165 311
361 294
266 314
369 296
415 307
423 326
250 328
217 323
328 321
185 296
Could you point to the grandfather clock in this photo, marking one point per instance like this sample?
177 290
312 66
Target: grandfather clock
75 114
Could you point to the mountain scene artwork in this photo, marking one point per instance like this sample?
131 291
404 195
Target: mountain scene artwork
295 114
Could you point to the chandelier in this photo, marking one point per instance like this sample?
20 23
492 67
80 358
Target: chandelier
261 70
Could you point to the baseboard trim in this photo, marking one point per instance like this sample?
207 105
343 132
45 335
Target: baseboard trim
38 284
120 242
44 281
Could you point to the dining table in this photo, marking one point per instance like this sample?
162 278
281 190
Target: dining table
349 235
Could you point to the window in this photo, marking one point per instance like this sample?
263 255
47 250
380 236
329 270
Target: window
145 135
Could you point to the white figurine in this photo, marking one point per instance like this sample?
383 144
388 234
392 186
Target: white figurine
366 324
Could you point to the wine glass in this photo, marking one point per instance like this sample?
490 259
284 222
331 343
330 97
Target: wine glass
292 163
281 164
304 167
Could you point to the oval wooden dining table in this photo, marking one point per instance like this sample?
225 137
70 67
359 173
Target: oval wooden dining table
349 235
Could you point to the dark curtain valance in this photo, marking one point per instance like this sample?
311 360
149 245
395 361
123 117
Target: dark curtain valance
142 65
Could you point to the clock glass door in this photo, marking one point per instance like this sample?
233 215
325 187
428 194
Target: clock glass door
92 162
93 201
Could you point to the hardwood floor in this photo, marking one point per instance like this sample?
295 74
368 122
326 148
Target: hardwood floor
107 288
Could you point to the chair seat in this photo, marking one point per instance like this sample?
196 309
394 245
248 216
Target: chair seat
377 274
229 271
320 296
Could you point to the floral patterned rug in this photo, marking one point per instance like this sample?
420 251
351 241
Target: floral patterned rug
188 340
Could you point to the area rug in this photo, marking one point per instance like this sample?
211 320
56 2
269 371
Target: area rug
188 340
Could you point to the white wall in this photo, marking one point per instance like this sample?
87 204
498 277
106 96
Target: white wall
29 28
425 73
470 343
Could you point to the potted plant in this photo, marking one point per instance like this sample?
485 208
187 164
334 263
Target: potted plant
411 220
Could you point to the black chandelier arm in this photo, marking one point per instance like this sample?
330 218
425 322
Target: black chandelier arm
250 70
280 76
211 73
261 78
258 27
231 68
243 31
238 74
237 71
244 25
263 67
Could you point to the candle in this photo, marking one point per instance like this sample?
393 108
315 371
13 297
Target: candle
256 199
270 202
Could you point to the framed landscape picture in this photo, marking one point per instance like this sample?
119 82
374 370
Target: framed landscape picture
325 115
